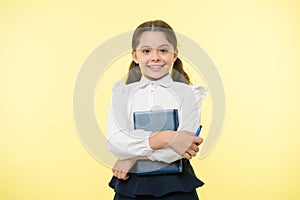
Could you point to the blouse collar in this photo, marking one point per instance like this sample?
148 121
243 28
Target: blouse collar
166 81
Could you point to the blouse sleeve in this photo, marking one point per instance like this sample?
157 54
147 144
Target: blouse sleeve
167 155
122 140
200 93
190 111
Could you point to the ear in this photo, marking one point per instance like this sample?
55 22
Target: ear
175 55
134 57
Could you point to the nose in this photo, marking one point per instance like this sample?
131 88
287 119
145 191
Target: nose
155 56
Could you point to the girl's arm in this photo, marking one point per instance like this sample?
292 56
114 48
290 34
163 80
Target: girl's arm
126 143
122 140
189 121
157 141
170 145
184 143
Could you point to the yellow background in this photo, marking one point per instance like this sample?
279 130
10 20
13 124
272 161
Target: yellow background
255 46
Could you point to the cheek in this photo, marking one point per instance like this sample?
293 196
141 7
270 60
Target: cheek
143 68
142 60
169 61
169 58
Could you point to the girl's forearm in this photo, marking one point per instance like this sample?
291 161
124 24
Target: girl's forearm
161 139
185 143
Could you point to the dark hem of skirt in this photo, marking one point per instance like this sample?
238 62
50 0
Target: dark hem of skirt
157 185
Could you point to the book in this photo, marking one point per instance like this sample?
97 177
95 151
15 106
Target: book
155 121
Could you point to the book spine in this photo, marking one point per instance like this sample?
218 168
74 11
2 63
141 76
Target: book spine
176 120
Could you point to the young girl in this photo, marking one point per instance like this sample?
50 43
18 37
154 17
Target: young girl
156 81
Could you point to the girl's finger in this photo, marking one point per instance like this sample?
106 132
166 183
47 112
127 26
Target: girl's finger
198 140
194 147
187 156
122 175
191 152
116 172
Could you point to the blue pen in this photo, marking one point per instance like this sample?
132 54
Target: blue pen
198 131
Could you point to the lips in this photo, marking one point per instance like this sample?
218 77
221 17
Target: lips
155 67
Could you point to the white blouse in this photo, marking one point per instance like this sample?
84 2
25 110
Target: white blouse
125 142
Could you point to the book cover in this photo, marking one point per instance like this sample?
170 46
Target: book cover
155 121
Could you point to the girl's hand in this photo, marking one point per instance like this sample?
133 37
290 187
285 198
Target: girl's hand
186 144
122 167
193 148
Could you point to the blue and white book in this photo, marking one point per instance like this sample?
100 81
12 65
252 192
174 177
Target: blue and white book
155 121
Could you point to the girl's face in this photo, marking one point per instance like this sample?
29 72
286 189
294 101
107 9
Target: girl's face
154 54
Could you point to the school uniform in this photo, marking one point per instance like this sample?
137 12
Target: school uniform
126 143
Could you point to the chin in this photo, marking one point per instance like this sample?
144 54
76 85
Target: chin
156 77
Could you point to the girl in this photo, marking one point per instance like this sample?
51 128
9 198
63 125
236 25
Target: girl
151 86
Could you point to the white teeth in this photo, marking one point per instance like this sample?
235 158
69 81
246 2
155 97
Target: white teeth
155 67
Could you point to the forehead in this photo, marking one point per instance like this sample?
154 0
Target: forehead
153 39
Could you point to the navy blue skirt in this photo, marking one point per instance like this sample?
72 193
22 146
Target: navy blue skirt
179 186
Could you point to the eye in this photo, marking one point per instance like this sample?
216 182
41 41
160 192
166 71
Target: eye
163 50
146 51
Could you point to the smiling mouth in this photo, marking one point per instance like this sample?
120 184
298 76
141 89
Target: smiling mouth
155 67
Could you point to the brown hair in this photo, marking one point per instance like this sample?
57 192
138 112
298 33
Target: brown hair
178 74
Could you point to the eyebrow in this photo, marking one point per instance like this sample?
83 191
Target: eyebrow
146 46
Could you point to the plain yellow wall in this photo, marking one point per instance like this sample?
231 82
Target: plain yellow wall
254 45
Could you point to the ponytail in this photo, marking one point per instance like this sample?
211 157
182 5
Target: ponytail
134 73
178 74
